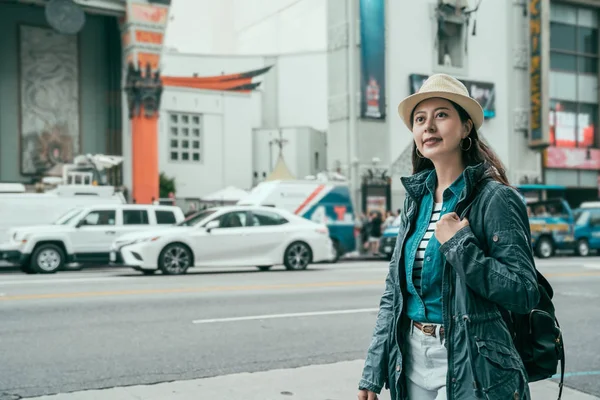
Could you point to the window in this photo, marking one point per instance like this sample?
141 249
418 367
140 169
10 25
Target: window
135 217
185 137
573 114
196 218
595 220
265 218
100 218
235 219
450 39
165 217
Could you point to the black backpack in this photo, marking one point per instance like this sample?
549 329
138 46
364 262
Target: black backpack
538 338
537 335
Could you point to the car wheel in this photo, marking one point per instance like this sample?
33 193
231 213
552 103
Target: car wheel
583 248
47 259
264 267
297 256
175 259
545 248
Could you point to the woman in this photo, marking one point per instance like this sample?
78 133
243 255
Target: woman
462 254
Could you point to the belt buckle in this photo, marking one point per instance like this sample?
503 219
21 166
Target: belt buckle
428 330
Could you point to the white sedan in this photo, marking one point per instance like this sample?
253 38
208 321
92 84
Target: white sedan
233 236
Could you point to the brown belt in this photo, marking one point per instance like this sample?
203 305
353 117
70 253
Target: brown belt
428 330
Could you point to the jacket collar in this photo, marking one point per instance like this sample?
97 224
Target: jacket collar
416 185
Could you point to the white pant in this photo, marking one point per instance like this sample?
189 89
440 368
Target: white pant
425 365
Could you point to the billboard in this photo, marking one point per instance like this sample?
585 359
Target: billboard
483 92
372 59
538 65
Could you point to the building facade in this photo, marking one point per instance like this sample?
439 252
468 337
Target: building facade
532 65
60 94
480 47
572 158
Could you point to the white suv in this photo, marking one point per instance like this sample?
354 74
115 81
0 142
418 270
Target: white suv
84 235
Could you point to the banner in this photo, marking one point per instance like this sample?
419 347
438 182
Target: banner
571 158
372 58
538 127
483 92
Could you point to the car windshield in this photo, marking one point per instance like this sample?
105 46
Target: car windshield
582 218
68 216
195 218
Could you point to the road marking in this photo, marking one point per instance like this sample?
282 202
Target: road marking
189 290
216 288
592 266
290 315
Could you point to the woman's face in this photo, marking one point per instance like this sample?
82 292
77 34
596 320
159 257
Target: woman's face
438 130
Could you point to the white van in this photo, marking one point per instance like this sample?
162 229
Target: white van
84 235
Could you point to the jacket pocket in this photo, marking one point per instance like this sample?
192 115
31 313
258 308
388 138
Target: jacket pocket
500 372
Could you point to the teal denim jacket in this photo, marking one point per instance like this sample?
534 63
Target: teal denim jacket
427 305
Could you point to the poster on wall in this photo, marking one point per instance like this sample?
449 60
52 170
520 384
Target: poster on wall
372 59
49 100
483 92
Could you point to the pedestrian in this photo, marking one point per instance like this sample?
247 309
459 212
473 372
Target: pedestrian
463 254
375 232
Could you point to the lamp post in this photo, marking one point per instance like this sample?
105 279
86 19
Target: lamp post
352 120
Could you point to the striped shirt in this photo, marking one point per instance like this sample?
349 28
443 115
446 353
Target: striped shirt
420 255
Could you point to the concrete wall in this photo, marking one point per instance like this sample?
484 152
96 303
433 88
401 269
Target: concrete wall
93 70
245 27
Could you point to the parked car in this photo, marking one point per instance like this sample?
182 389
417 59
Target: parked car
232 236
328 203
83 235
552 227
587 230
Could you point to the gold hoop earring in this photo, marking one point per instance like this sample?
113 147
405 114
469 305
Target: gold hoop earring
470 144
419 154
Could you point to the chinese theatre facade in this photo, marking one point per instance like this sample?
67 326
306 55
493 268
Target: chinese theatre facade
60 85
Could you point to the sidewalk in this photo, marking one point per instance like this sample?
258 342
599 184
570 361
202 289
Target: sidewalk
318 382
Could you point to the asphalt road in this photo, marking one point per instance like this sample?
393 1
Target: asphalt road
105 328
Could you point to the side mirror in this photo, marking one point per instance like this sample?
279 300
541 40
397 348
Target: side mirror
212 225
81 223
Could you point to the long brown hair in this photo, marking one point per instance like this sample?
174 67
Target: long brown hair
477 153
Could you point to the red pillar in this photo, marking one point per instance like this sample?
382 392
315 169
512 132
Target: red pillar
144 152
144 89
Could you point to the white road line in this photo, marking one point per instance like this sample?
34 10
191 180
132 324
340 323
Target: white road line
291 315
592 266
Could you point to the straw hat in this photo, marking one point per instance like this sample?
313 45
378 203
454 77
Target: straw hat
446 87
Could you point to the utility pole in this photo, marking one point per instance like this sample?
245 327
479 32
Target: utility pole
280 142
